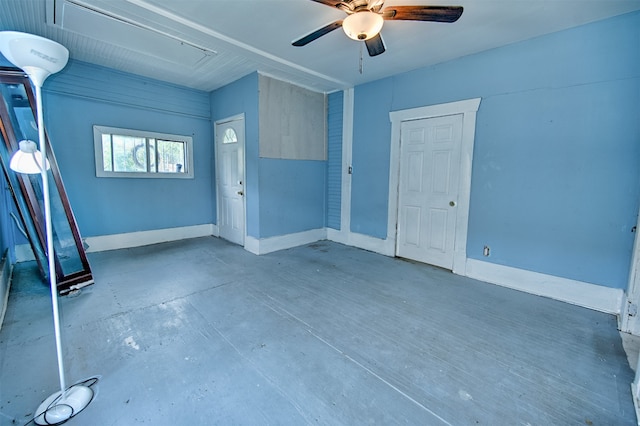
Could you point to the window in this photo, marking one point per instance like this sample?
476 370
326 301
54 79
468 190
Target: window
139 154
229 136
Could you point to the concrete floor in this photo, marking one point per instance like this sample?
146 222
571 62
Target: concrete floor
201 332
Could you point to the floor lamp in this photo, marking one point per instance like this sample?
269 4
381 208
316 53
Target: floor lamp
40 57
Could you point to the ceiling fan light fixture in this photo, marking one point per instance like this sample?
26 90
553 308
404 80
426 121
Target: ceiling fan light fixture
362 25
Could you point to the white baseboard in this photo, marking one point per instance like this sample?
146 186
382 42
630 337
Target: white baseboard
282 242
131 239
143 238
597 297
335 235
600 298
377 245
24 253
579 293
6 269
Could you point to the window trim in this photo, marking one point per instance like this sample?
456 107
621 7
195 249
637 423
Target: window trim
98 131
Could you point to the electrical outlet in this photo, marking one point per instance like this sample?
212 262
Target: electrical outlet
486 251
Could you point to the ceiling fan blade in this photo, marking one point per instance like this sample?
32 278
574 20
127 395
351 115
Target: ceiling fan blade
332 3
342 5
317 34
423 13
375 5
375 45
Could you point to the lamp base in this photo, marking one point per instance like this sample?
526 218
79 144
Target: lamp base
59 408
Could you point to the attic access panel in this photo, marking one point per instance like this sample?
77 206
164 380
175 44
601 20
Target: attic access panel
17 122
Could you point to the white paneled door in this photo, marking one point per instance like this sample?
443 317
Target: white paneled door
230 180
428 189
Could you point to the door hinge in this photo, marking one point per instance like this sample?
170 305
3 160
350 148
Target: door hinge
350 170
632 309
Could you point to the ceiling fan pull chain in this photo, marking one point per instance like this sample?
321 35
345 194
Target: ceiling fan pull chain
360 67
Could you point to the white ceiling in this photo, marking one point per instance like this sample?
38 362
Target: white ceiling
206 44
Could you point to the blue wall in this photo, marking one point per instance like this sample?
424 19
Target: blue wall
282 196
556 172
83 95
292 196
370 157
334 159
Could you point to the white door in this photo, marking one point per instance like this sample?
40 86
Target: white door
428 189
230 179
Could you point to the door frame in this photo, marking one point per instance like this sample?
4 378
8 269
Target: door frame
468 109
216 164
629 315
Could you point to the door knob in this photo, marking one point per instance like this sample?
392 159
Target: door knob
240 193
452 203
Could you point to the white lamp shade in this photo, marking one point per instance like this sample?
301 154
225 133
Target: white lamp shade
362 25
37 56
27 159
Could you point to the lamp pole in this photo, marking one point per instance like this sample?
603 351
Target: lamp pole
39 57
49 236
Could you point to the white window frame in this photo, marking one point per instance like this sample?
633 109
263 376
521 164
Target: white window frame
98 131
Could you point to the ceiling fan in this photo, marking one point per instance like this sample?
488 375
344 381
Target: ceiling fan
366 17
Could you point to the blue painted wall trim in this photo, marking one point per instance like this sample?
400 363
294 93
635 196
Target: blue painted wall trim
334 158
110 86
556 181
